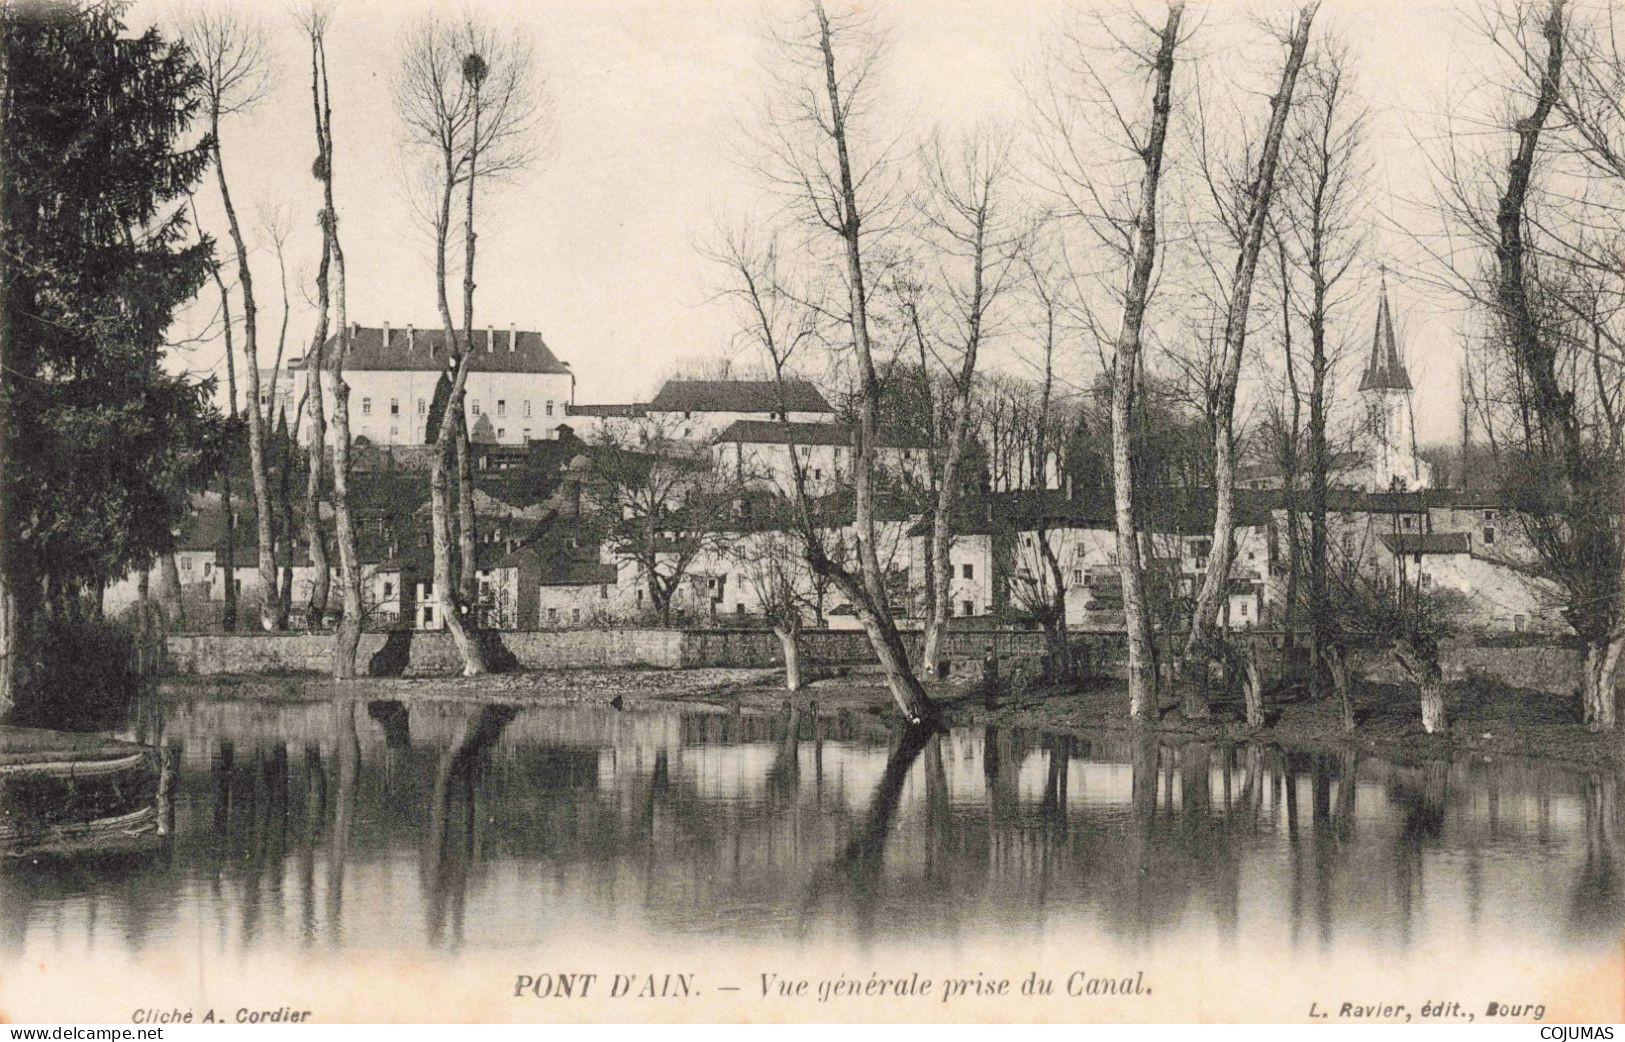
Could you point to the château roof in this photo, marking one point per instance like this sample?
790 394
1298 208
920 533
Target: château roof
1385 370
411 349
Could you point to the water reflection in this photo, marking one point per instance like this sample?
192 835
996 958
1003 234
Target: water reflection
443 824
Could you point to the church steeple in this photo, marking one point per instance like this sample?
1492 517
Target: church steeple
1385 371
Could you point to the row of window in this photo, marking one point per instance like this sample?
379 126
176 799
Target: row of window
474 407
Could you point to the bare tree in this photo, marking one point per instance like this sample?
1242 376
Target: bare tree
315 21
1533 245
661 506
973 239
231 50
1321 216
228 545
1106 168
468 101
810 149
1041 577
1251 224
768 561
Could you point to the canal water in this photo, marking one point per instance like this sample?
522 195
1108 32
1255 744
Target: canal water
443 830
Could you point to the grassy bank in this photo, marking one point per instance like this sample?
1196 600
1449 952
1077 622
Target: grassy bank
1486 719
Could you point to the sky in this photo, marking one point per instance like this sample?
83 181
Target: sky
596 245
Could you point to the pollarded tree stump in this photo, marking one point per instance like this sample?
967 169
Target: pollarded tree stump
1420 661
1252 685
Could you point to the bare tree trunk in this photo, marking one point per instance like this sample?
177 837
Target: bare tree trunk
251 375
1342 683
288 447
348 638
314 364
1204 615
1252 684
790 642
1599 691
874 609
1142 682
169 590
1420 661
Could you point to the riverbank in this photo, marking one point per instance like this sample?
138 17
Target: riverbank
1486 719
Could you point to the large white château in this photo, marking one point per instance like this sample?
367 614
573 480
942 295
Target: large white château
518 390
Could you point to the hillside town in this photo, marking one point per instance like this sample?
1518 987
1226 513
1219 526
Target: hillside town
551 554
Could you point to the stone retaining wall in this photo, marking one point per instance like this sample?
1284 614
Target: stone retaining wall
430 653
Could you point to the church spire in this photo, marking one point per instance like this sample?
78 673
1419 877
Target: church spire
1385 371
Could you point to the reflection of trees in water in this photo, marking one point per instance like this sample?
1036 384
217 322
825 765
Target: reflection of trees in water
1596 904
451 848
729 821
854 874
1421 795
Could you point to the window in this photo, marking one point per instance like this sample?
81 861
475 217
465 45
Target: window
502 432
1489 535
603 591
527 408
640 595
1077 577
394 432
552 616
967 608
502 407
818 473
1407 522
423 407
1243 609
1489 515
575 614
739 607
968 571
389 588
366 406
186 564
1427 581
394 406
208 566
476 408
428 588
550 408
1518 623
238 585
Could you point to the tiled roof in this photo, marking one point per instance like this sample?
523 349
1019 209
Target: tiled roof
424 350
738 396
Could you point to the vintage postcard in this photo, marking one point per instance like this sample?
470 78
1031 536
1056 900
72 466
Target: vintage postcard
812 510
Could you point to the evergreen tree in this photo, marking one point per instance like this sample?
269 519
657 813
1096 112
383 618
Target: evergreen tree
104 445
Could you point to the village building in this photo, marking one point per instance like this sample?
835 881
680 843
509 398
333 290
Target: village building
698 410
517 390
757 453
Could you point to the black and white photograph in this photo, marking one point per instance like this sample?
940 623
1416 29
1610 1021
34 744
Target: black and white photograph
783 511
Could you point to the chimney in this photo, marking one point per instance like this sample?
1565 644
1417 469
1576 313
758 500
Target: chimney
513 337
386 336
411 338
490 338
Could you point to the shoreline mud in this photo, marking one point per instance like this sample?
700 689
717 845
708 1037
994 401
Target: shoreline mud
1486 720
